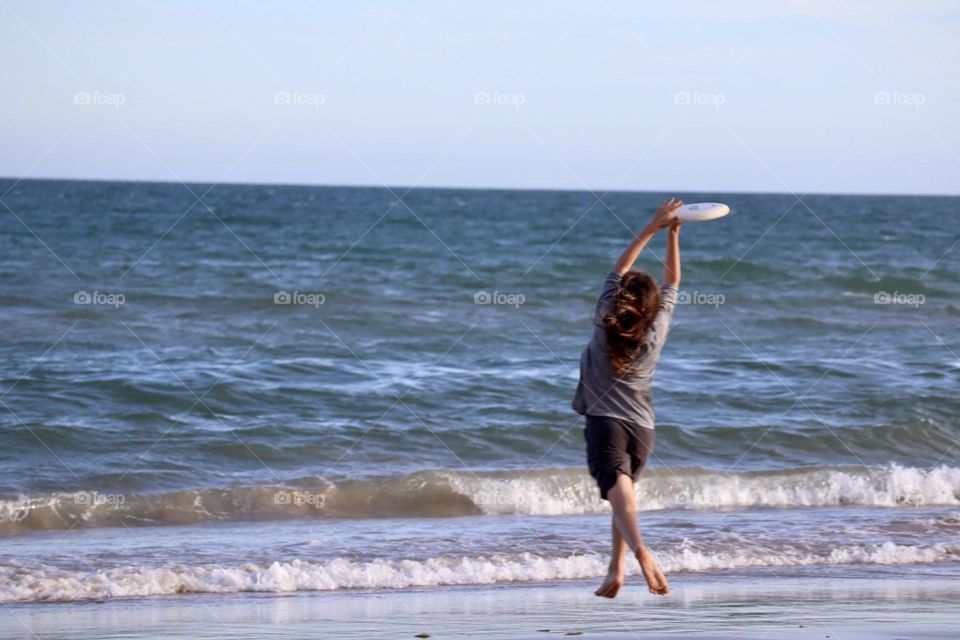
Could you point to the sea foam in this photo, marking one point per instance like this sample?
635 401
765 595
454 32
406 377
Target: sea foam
44 583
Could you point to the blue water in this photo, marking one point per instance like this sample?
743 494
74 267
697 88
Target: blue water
186 396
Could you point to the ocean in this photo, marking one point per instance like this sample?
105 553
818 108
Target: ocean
225 389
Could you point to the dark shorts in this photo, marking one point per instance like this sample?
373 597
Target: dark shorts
615 446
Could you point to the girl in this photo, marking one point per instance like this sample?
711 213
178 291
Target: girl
631 324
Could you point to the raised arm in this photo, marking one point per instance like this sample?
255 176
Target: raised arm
671 267
665 216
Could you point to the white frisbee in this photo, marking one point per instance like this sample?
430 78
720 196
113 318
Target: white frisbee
700 211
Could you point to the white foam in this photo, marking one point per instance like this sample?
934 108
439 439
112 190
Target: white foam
558 494
48 583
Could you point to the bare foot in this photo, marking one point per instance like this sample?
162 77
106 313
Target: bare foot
656 581
611 586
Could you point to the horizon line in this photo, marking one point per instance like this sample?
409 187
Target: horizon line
407 188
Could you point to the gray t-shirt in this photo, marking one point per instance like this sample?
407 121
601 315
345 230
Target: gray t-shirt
600 392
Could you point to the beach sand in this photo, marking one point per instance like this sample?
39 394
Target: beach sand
760 606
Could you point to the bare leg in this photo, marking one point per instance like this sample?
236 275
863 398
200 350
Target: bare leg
624 503
618 555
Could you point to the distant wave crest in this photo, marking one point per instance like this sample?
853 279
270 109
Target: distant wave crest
454 493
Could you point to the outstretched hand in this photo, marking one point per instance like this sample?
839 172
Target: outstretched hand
666 214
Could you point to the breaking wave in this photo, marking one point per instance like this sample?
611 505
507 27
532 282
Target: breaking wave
456 493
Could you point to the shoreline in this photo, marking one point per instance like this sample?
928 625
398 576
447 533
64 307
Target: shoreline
765 604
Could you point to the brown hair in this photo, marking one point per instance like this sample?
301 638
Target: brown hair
633 309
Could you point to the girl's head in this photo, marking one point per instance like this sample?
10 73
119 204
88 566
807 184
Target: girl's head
632 311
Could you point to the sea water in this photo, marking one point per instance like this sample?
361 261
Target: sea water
222 388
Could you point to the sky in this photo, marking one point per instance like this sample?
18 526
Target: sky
782 96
